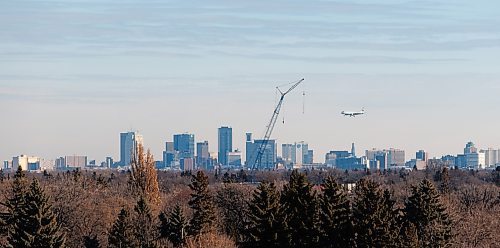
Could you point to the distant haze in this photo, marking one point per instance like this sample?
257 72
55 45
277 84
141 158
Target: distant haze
76 73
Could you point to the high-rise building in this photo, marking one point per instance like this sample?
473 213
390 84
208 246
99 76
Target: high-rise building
184 144
310 157
129 142
225 144
295 154
470 148
26 162
422 155
60 163
476 160
396 157
288 154
187 164
202 155
268 158
170 156
492 157
109 162
234 159
75 161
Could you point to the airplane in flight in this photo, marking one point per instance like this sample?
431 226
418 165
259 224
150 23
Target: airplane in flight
353 113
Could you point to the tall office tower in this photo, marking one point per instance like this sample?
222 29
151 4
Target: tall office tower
353 150
470 148
184 144
76 161
422 155
396 157
169 155
301 150
202 155
492 156
288 154
268 158
128 146
225 144
310 157
249 150
109 162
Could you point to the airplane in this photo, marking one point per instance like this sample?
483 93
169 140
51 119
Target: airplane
353 114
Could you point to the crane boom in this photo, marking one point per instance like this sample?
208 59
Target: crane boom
270 126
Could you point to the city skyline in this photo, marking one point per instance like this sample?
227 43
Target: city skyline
425 72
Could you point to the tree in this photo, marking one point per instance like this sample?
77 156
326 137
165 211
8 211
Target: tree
121 235
34 224
425 211
91 242
264 216
444 187
15 202
335 220
232 202
202 204
300 207
373 216
174 226
143 176
144 228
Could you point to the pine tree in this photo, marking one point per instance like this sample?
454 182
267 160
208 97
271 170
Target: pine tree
35 225
15 202
424 210
300 207
144 228
202 204
121 234
264 217
373 216
174 226
336 224
444 187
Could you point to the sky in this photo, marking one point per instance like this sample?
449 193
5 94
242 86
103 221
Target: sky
76 73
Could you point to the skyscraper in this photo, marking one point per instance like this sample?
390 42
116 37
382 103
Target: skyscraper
268 158
184 144
128 146
422 155
225 144
202 155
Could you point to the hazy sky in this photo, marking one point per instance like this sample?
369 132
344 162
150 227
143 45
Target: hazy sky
76 73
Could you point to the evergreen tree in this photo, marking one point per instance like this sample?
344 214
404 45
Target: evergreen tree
15 202
121 235
424 210
444 187
144 228
35 225
202 204
91 242
300 206
264 217
373 216
174 226
336 225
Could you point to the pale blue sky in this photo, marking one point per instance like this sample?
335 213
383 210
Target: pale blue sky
75 73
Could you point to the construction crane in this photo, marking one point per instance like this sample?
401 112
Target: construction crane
270 126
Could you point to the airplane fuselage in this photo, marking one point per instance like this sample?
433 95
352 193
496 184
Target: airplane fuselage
353 114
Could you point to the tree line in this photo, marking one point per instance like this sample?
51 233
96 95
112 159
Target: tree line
145 208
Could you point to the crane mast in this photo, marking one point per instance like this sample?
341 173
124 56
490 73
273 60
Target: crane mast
270 127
